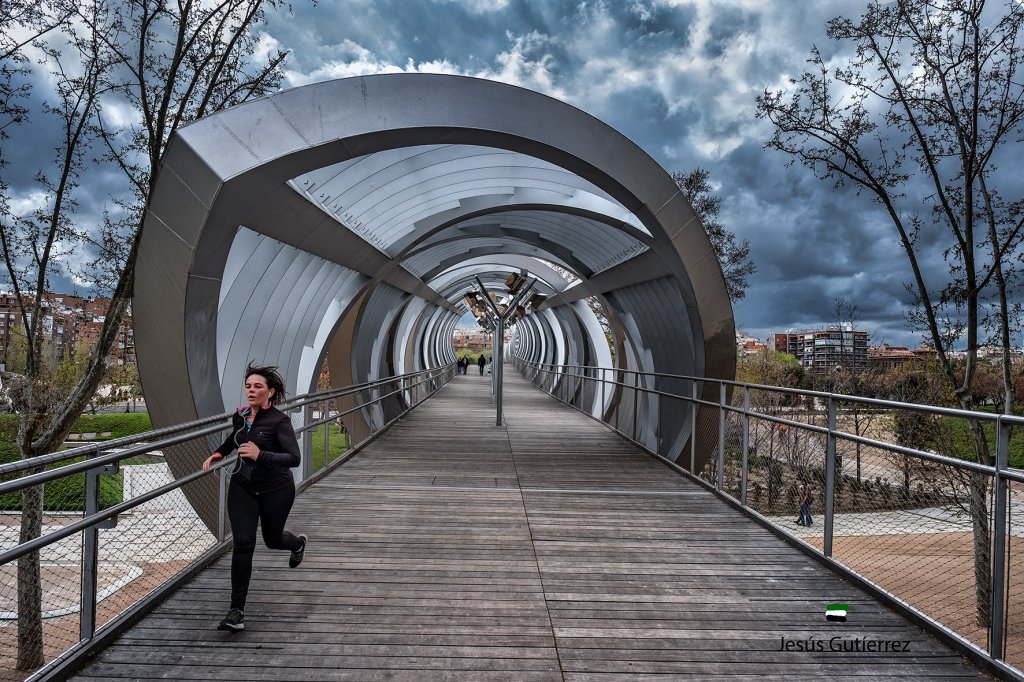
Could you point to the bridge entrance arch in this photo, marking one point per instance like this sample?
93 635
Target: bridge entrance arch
345 221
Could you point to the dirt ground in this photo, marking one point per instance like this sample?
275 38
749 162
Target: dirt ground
935 573
59 634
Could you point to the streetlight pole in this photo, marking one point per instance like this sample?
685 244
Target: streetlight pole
498 354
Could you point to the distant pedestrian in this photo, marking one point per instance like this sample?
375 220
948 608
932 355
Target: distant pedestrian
262 489
481 362
805 504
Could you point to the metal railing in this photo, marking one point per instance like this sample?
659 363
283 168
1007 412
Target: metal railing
898 502
119 530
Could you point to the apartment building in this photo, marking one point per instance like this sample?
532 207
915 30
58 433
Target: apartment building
68 321
826 350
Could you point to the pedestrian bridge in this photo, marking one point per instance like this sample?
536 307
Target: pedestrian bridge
546 549
647 532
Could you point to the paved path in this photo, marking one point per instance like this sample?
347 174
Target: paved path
548 549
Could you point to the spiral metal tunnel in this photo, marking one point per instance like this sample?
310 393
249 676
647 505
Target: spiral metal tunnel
344 221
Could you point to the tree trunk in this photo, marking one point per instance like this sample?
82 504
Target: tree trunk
982 549
30 593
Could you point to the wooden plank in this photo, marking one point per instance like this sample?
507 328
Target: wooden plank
546 549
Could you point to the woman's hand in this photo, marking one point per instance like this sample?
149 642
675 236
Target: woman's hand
215 457
249 450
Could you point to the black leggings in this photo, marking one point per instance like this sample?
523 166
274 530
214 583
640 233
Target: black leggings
244 510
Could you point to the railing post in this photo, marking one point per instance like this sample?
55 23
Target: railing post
746 445
636 403
693 427
830 475
91 550
997 634
601 377
222 504
618 405
307 444
721 436
327 433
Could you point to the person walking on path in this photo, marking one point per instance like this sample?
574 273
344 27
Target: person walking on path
481 362
805 504
262 489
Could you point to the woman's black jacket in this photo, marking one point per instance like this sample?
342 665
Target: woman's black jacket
272 433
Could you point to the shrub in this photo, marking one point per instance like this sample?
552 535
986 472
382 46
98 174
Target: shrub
68 493
118 424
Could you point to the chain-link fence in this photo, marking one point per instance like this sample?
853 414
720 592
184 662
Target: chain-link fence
88 534
921 501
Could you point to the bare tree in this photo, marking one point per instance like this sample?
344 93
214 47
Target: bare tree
772 442
31 245
922 110
733 255
849 378
170 63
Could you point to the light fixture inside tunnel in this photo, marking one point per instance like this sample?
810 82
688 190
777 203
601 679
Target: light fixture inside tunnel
515 282
512 308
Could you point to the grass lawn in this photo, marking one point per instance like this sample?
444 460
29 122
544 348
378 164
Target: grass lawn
68 494
337 442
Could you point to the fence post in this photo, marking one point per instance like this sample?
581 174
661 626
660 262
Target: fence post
830 474
721 436
997 634
91 549
746 445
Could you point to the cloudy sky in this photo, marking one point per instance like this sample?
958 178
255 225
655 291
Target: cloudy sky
679 78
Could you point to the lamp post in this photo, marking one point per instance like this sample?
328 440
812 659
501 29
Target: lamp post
498 319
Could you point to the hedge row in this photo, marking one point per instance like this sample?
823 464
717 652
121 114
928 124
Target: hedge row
68 493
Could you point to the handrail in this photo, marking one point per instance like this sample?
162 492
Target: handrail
418 386
902 449
593 388
94 447
844 397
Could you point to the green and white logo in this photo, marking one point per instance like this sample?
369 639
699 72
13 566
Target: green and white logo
836 612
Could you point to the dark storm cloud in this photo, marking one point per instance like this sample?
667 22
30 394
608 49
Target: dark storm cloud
31 149
680 80
677 77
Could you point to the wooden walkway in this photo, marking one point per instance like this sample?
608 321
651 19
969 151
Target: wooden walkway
549 549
